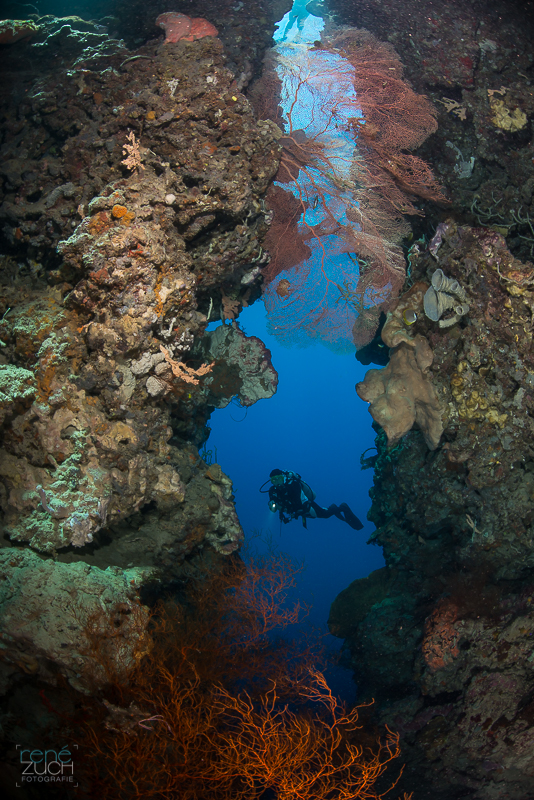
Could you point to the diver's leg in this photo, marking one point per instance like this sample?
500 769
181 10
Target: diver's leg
324 513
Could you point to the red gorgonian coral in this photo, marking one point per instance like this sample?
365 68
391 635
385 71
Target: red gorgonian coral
345 184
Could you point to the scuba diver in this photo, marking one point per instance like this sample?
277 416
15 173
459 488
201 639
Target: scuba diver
293 498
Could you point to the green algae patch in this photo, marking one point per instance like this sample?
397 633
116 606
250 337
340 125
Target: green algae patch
16 384
33 322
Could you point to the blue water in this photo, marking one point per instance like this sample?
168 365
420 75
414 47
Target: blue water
317 426
318 101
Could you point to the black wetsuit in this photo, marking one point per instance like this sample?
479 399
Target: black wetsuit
294 499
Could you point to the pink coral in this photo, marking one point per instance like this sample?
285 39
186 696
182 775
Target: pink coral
201 27
179 26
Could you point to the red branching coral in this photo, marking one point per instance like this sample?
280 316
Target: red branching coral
206 715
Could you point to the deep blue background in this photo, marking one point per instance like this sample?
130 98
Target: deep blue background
315 425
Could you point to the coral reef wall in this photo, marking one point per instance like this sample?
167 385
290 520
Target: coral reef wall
442 636
131 214
474 60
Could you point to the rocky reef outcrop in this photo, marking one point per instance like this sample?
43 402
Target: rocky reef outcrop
401 395
131 216
442 636
474 61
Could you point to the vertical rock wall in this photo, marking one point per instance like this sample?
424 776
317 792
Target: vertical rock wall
131 215
442 637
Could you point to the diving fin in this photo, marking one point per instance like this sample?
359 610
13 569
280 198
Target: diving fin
351 518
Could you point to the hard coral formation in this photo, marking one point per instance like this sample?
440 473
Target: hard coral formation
242 367
131 297
506 118
401 394
179 26
52 613
17 385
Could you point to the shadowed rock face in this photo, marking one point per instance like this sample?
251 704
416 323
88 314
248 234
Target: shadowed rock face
132 215
442 637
